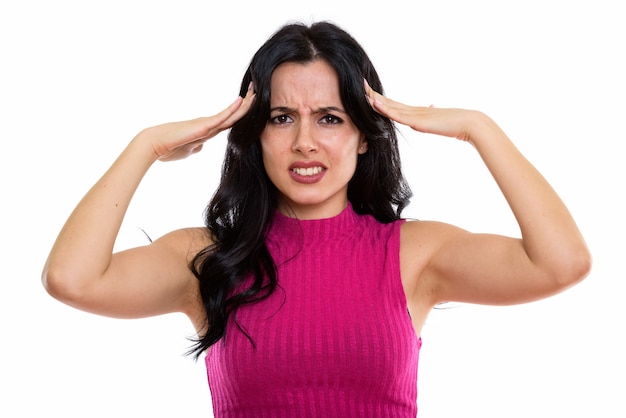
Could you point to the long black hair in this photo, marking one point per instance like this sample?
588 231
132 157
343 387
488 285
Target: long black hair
242 208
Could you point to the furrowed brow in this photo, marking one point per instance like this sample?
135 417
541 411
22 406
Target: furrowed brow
330 109
323 109
282 109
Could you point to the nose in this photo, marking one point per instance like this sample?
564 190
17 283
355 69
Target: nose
304 141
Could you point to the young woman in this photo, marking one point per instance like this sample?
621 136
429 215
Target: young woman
307 289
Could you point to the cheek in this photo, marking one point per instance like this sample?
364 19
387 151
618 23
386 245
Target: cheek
267 160
266 147
345 150
271 155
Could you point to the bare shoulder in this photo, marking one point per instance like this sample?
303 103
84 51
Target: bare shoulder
144 281
181 246
185 242
420 241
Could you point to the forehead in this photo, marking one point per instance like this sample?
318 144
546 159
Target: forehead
301 82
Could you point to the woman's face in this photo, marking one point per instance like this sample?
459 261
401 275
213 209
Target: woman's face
309 145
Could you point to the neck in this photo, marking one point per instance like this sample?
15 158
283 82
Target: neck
311 212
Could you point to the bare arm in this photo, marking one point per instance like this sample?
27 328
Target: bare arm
82 270
454 265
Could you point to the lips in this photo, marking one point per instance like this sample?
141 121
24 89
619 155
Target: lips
310 171
307 171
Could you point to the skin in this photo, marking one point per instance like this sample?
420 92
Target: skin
309 128
440 262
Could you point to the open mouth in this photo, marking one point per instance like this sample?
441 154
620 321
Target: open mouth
309 171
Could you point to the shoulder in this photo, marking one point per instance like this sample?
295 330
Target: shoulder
427 235
185 242
420 242
175 251
423 239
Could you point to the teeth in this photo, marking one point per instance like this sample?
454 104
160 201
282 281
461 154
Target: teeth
311 171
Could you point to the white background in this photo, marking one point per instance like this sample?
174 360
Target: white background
79 79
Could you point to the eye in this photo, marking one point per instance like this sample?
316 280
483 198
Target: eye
280 119
331 119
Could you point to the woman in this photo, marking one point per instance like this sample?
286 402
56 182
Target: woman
307 289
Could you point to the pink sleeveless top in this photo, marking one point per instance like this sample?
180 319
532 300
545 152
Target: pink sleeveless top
334 340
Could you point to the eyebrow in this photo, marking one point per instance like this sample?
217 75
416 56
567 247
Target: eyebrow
324 109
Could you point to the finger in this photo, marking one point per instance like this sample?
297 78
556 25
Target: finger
375 99
244 107
238 109
210 126
369 93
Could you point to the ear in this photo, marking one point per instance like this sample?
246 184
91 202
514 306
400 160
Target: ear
362 145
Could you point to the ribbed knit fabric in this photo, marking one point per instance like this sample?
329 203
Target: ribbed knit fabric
334 340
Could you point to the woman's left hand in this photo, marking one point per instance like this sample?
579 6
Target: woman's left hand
454 123
488 268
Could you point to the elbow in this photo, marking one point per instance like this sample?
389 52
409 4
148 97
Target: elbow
573 268
53 282
60 285
580 264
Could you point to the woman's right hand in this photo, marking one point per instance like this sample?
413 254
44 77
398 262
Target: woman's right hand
82 270
178 140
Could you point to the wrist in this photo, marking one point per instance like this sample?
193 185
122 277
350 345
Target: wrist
481 128
142 149
144 145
